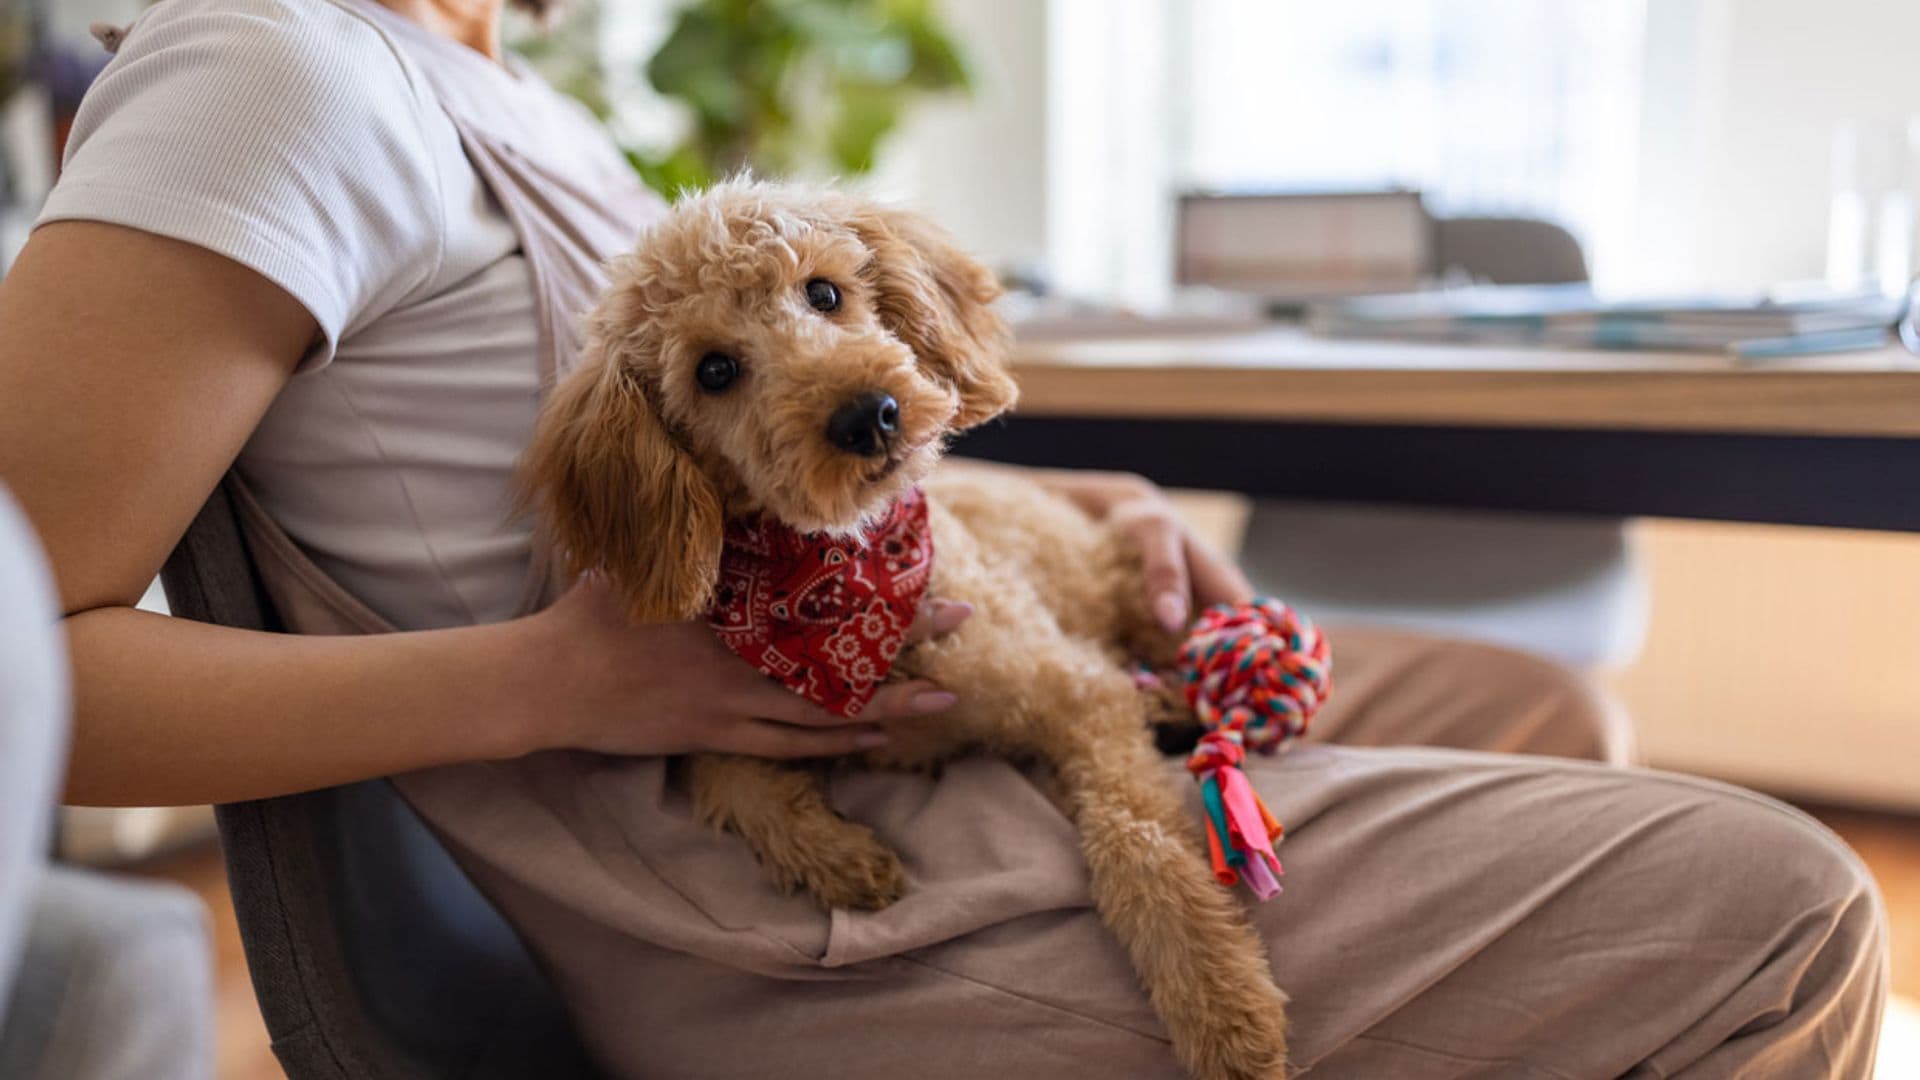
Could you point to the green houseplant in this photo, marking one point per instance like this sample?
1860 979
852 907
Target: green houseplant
776 86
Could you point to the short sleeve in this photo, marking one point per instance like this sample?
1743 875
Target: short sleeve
287 135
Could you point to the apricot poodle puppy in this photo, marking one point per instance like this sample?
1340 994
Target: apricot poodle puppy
805 354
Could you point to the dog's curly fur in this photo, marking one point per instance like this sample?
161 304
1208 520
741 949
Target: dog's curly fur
636 469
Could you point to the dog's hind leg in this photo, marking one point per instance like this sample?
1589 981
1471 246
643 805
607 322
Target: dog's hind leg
1201 962
782 814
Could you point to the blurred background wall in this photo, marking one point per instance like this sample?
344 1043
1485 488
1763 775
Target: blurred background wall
1746 98
1689 142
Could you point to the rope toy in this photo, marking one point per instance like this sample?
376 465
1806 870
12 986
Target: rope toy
1254 674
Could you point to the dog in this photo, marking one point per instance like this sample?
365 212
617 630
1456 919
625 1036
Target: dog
805 355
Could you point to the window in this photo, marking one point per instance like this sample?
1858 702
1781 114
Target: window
1487 106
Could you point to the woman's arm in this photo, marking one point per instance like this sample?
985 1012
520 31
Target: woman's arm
132 369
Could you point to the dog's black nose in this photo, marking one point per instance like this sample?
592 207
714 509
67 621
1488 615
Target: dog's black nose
863 425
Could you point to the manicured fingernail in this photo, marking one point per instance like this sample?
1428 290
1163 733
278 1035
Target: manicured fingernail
932 701
867 740
1171 610
948 616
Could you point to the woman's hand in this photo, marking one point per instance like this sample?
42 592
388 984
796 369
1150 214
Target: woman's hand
1181 570
622 687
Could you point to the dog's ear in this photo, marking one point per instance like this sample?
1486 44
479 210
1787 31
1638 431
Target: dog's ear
937 300
621 497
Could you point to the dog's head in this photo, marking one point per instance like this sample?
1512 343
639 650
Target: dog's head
792 352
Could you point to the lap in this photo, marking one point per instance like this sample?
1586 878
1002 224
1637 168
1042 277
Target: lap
1444 910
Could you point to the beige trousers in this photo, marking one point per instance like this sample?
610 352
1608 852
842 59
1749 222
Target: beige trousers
1446 913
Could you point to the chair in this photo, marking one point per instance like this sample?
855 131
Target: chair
371 953
1507 251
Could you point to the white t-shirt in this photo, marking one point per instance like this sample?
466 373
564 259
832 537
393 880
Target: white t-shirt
300 138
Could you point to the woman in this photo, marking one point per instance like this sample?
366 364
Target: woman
332 244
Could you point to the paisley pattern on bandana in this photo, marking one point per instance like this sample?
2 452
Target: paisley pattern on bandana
825 616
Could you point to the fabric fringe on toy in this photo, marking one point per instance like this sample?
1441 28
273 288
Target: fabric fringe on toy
1254 674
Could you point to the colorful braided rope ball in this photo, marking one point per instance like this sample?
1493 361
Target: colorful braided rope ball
1253 674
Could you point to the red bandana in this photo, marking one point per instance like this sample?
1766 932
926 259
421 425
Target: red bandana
824 616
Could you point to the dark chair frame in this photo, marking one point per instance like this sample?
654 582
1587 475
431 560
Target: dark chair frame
1507 251
372 955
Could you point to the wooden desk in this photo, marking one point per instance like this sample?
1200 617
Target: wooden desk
1831 440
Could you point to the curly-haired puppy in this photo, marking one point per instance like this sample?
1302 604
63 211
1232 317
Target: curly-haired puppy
817 301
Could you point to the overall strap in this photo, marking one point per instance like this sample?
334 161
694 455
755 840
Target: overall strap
567 234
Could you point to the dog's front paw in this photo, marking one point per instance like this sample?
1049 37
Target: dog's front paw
843 867
869 880
1245 1038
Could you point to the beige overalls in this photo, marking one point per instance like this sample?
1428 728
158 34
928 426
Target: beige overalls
1445 913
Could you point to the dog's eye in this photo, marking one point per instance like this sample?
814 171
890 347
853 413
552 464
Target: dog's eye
717 371
823 295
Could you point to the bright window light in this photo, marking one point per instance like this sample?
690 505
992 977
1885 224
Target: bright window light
1510 107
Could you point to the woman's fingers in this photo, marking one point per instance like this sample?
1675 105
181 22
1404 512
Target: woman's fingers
786 725
1178 567
795 727
769 700
768 738
772 701
1161 540
900 701
1216 580
937 617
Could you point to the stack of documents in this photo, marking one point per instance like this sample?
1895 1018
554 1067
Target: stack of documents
1572 316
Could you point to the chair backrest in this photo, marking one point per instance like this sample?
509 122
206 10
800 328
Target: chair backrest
1508 251
372 954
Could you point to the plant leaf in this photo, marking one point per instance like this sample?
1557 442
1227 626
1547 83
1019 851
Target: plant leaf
672 175
867 114
938 63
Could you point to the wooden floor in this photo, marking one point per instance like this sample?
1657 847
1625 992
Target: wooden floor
1889 844
1891 848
